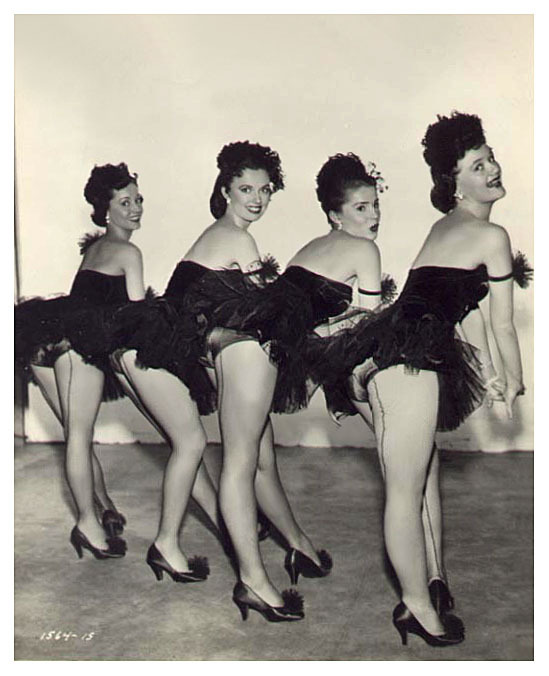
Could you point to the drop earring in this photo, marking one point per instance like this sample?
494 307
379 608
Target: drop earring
107 218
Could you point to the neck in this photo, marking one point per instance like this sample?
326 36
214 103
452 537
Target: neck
481 211
118 234
230 218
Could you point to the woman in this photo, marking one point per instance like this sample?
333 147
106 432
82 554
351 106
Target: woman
407 361
220 282
110 274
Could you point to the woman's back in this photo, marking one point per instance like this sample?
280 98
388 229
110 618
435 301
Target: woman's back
337 256
456 241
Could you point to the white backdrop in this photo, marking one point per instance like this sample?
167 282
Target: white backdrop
164 93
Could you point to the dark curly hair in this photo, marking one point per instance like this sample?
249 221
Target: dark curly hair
233 160
337 175
446 141
100 186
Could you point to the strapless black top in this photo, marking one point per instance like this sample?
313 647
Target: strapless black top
98 288
449 293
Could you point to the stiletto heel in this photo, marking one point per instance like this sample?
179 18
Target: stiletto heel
403 634
157 570
113 522
292 610
115 550
243 609
198 567
78 547
405 622
296 562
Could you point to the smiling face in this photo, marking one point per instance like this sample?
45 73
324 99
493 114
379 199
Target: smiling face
478 176
359 215
248 196
126 208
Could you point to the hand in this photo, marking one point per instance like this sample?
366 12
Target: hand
514 389
495 390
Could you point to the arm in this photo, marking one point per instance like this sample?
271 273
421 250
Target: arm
499 264
474 329
368 273
132 265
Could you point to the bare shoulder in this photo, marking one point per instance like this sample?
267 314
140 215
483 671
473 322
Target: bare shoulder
495 239
126 253
363 249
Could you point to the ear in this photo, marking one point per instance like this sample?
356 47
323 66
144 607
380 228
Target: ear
225 192
334 217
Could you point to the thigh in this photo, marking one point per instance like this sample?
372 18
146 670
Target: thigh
404 407
80 388
46 380
245 381
165 399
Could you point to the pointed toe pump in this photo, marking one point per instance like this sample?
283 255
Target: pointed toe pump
116 548
297 563
405 623
246 599
198 567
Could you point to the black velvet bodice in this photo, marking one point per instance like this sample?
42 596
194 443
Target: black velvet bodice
98 288
446 292
327 297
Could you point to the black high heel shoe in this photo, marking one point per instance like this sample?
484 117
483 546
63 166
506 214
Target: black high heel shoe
198 565
440 595
405 623
297 562
116 546
292 610
113 522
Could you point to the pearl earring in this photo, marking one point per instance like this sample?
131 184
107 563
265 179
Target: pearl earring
458 195
107 219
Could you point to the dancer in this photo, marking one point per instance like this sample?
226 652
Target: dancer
110 274
219 282
407 361
348 194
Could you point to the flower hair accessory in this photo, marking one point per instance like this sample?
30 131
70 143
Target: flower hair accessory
372 171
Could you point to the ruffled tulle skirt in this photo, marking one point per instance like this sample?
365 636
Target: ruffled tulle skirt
46 328
278 316
344 363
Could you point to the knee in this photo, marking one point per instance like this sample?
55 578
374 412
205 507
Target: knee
190 443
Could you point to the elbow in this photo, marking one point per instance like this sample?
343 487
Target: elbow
503 328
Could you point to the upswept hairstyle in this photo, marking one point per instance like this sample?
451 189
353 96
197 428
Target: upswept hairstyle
99 189
233 160
339 173
446 141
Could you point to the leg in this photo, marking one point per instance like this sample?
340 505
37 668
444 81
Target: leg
48 379
204 491
166 401
244 405
404 408
272 499
80 387
431 510
432 520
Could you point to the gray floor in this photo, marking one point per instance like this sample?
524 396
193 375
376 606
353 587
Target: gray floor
116 610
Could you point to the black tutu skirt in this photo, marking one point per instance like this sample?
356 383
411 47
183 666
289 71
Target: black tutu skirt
47 328
165 337
400 334
278 316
